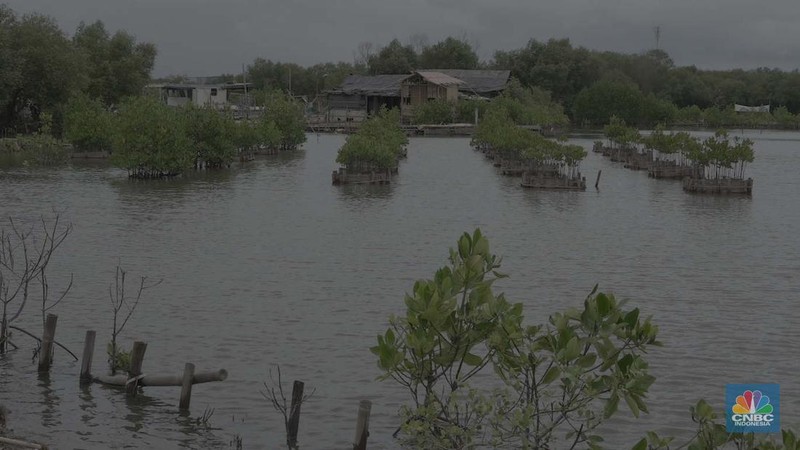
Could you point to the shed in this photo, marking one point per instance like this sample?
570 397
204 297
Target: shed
424 86
362 95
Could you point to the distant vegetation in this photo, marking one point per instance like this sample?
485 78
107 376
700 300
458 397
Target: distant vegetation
590 86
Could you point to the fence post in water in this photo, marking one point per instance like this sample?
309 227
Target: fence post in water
597 181
186 390
135 370
294 414
362 425
46 352
86 359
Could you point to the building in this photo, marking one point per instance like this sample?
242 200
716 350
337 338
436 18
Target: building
481 83
362 95
425 86
218 95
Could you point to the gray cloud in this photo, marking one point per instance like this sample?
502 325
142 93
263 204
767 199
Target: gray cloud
205 37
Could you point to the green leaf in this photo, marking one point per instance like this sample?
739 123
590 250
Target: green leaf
632 405
551 375
611 406
632 317
472 360
586 361
641 445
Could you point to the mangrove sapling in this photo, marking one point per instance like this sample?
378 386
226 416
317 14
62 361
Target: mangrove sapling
117 358
279 403
24 258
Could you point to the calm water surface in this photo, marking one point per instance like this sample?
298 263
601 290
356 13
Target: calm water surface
269 264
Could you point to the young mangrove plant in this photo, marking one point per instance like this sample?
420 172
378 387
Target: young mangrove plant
562 379
123 306
377 145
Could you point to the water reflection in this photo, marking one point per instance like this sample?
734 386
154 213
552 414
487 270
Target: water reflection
286 159
365 191
560 201
51 402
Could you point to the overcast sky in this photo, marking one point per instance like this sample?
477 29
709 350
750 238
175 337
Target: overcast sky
209 37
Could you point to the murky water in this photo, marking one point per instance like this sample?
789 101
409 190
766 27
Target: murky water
270 264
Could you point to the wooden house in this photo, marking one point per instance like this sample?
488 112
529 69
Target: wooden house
423 86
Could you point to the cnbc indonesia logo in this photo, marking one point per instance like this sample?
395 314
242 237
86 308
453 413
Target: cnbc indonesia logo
751 409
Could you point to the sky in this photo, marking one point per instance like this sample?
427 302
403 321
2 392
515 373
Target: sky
210 37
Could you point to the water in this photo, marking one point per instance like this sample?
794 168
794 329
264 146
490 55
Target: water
269 264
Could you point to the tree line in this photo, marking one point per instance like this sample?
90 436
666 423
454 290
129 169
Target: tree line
644 88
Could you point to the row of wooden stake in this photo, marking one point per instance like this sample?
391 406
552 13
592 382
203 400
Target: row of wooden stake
134 379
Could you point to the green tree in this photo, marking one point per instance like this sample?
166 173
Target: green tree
597 104
150 139
40 70
88 124
288 116
393 59
450 53
434 112
117 65
212 134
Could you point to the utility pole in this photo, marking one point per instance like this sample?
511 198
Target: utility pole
657 31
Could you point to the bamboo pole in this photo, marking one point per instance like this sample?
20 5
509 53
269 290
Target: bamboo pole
46 352
86 359
15 443
164 380
597 181
294 414
135 370
186 390
362 425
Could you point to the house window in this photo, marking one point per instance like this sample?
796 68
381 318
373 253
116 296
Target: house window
213 92
406 100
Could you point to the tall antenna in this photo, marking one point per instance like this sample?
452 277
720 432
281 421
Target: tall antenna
657 31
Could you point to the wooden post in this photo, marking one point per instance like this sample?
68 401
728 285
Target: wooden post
294 414
137 357
86 359
362 425
186 390
597 181
46 352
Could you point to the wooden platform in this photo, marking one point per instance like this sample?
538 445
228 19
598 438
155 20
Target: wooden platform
722 186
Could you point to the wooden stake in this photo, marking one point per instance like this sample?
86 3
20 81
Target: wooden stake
294 414
46 352
597 181
137 357
186 390
362 425
86 359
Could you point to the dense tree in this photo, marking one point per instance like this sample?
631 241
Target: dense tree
450 53
394 58
150 139
40 69
117 65
604 99
87 124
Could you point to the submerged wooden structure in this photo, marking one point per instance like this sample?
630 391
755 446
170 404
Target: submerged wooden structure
342 176
550 178
666 169
723 186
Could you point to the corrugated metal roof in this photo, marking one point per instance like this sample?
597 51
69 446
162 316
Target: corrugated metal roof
385 85
439 78
480 81
474 81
